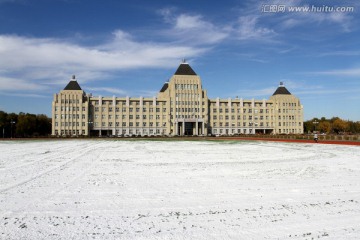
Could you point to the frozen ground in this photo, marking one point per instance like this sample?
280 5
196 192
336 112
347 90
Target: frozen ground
83 189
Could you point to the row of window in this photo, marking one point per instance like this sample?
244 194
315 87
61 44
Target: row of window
188 110
196 103
131 103
244 110
70 101
233 104
289 104
140 132
293 131
287 117
70 124
70 132
62 108
117 132
189 116
289 124
186 86
244 124
117 109
232 131
70 116
130 124
289 111
96 116
250 131
227 117
110 124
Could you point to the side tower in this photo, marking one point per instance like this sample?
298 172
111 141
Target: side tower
188 102
288 112
70 111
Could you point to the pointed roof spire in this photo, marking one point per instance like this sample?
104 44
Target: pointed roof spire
281 90
185 69
73 84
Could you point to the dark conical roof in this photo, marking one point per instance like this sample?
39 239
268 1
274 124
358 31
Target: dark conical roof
281 90
73 85
185 69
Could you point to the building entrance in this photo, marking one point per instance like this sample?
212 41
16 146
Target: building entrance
189 128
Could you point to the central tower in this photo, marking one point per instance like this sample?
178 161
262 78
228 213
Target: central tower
188 102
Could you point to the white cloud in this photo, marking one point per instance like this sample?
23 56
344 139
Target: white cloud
37 62
351 72
248 29
12 84
193 29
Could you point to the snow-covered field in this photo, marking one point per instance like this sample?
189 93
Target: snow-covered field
84 189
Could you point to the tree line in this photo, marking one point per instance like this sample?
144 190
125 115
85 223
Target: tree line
24 125
334 125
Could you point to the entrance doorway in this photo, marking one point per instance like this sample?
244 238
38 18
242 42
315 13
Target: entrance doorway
189 128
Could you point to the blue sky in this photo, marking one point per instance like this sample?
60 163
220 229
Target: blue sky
130 48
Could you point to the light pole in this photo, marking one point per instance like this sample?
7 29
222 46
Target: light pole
11 123
315 122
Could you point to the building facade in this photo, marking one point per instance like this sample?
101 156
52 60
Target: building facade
182 107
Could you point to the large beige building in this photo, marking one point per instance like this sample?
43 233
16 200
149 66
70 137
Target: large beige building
182 107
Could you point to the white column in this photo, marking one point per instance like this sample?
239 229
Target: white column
203 128
183 128
196 127
176 128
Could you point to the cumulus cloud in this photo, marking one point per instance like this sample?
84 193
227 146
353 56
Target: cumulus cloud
39 61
